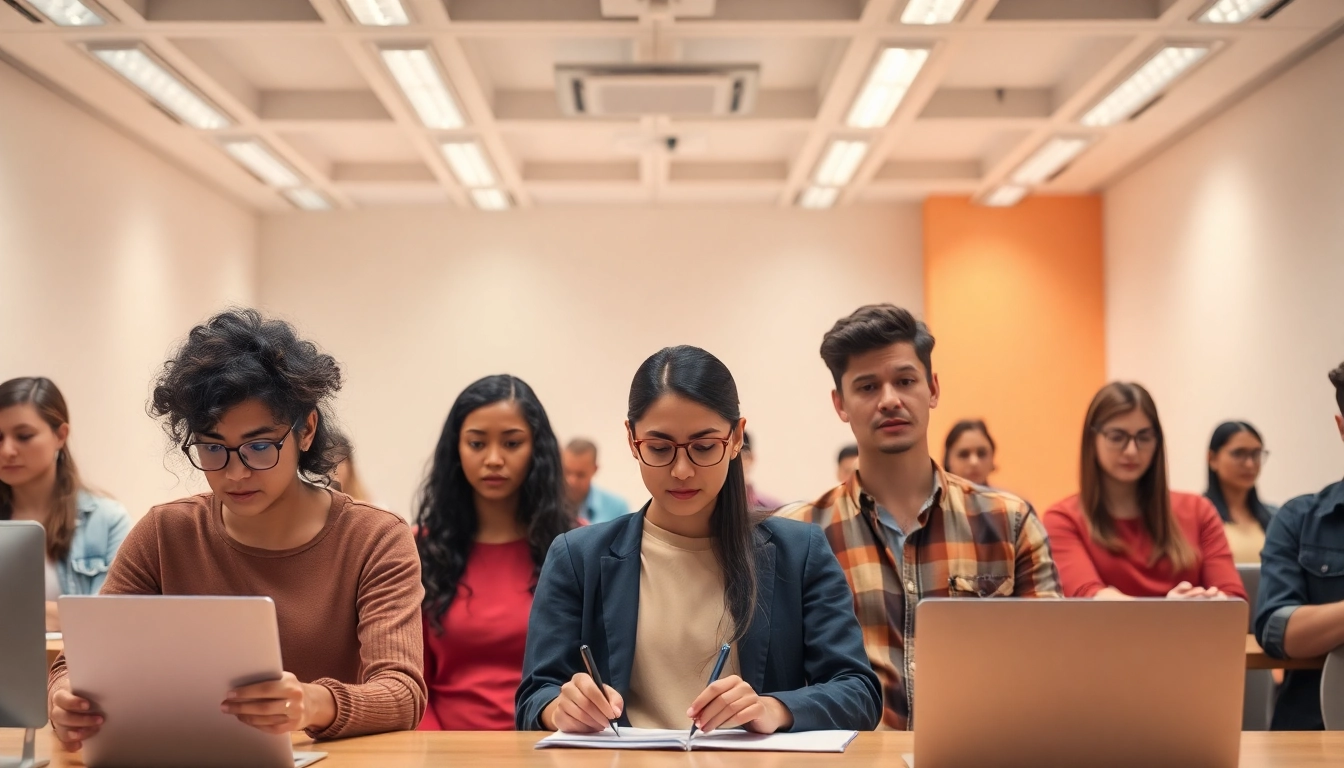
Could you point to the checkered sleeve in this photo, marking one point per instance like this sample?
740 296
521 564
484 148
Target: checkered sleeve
1035 575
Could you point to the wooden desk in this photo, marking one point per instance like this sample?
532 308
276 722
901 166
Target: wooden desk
514 750
1257 659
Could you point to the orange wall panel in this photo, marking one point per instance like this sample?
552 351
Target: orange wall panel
1015 298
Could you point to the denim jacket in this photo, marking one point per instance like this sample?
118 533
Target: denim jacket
1302 564
100 526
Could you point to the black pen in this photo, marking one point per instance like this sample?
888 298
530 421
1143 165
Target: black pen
718 670
592 672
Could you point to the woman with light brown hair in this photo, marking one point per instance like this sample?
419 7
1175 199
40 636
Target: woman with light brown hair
1125 534
39 481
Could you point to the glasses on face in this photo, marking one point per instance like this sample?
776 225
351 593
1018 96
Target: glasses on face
1119 439
704 452
256 455
1253 455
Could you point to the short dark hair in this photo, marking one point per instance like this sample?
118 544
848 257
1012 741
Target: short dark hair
240 355
1337 378
871 327
848 452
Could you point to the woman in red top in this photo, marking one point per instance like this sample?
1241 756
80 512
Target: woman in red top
1125 535
492 504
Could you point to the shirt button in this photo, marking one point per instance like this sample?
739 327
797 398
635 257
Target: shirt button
1325 569
910 586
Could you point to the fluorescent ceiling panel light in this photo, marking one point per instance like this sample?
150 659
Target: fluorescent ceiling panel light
418 74
255 157
817 198
1144 85
378 13
886 86
841 161
930 11
307 199
68 13
1004 196
1232 11
164 87
490 199
469 164
1049 159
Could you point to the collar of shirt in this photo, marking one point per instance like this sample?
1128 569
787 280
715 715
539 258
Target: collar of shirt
889 520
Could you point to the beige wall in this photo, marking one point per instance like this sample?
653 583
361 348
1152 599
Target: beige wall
419 303
108 254
1225 264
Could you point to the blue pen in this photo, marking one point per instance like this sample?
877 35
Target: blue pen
718 670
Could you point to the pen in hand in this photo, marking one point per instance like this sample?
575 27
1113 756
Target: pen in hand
592 672
718 670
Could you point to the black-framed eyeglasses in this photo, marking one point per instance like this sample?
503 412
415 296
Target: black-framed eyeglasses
1119 439
704 452
256 455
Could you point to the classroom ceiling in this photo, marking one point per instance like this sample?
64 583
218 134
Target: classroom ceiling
308 82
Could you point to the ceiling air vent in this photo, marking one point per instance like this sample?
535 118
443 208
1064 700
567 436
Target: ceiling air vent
680 90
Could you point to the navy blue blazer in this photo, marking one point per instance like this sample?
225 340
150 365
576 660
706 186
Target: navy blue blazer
804 646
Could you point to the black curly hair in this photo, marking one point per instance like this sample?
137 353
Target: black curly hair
240 355
447 519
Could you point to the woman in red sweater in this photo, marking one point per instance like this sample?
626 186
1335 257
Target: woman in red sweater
492 504
1125 535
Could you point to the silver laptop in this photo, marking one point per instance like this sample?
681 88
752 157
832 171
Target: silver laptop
23 655
1042 683
158 669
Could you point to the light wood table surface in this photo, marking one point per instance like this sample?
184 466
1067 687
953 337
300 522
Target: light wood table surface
54 648
1257 659
514 750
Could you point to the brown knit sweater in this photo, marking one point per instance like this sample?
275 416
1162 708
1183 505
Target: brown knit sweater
347 602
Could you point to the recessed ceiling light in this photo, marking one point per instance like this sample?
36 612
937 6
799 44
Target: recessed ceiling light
1049 159
491 199
1005 196
469 163
68 13
255 157
1149 80
817 198
145 72
930 11
887 83
842 159
378 13
308 199
1232 11
418 74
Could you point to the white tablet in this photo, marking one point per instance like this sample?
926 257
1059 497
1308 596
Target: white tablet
158 668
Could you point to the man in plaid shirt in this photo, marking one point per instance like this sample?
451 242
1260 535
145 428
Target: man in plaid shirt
902 528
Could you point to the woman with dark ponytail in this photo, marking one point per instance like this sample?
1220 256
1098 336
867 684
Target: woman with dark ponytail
489 510
654 595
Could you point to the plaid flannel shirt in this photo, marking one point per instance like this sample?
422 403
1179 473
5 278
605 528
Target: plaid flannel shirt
973 542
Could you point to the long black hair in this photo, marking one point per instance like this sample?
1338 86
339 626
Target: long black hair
239 355
700 377
1214 492
447 508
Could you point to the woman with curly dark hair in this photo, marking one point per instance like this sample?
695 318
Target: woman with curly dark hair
248 402
491 506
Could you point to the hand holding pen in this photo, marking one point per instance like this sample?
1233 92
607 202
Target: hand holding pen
581 706
732 703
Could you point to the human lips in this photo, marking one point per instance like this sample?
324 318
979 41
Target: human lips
683 493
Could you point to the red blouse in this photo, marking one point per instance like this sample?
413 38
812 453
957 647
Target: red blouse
1086 567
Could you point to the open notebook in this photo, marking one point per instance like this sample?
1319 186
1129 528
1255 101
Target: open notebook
657 738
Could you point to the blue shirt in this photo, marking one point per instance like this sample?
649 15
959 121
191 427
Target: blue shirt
892 530
1302 564
601 506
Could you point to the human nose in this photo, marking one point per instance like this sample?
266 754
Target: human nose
682 468
235 469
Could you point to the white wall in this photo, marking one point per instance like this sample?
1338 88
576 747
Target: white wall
417 304
108 255
1225 266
